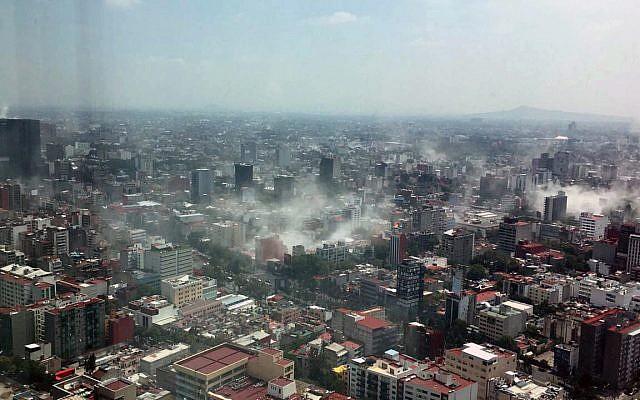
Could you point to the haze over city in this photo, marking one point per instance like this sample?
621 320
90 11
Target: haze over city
336 57
319 200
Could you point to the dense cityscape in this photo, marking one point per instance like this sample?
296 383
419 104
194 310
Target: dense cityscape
319 200
250 256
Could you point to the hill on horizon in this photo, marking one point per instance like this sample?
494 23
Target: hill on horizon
540 114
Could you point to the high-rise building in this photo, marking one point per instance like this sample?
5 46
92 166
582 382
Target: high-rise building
329 169
492 187
610 347
410 286
243 175
10 196
555 207
201 185
633 252
169 260
561 163
76 328
283 186
397 248
510 232
19 147
16 330
429 219
458 246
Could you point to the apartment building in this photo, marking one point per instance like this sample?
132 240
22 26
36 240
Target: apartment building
480 363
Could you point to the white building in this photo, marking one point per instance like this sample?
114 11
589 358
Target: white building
592 226
152 310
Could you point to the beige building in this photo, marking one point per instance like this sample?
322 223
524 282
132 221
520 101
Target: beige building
210 369
480 363
182 290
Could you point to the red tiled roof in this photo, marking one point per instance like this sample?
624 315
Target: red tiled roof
486 296
214 359
373 323
282 382
117 384
437 387
350 345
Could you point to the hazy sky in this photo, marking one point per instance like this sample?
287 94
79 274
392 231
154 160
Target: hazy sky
373 57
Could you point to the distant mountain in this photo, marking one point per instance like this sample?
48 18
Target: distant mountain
539 114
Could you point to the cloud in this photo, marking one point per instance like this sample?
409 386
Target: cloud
121 3
337 18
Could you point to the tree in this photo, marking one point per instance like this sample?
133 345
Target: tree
476 272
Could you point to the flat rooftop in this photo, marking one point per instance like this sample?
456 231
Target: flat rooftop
215 359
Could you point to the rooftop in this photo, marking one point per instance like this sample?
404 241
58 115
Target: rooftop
215 359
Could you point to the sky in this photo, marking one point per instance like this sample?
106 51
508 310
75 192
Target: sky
344 57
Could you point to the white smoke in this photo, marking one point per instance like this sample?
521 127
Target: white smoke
581 198
4 111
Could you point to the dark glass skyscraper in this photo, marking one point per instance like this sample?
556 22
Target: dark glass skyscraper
19 147
243 175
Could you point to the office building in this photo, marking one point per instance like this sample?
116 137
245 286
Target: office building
168 260
19 147
201 185
329 169
480 363
458 246
243 175
555 207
